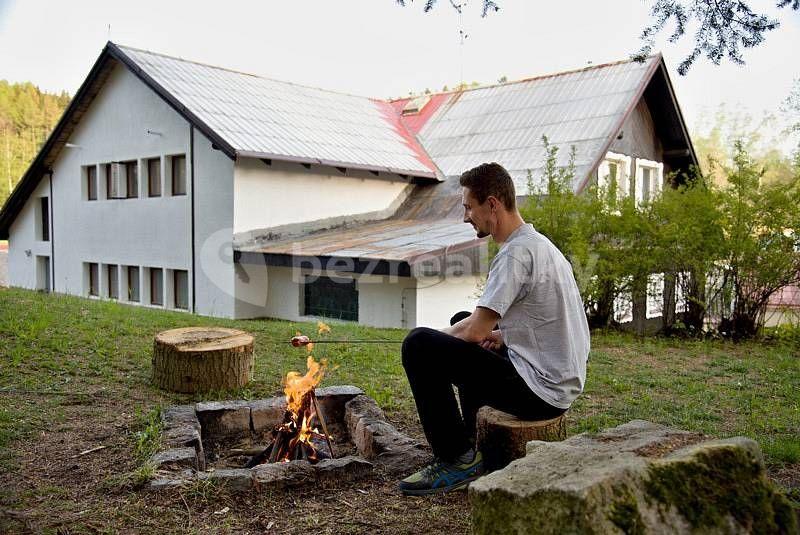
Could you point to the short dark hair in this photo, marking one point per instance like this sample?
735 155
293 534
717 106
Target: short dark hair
490 179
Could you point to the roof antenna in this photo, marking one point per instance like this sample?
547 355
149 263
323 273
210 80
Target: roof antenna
109 32
463 36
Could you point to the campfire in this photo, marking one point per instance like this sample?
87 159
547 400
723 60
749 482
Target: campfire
303 433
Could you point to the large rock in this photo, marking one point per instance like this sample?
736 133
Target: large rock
265 414
379 441
181 428
235 479
637 478
224 419
341 470
175 458
283 475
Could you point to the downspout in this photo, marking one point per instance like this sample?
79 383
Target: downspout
52 239
191 202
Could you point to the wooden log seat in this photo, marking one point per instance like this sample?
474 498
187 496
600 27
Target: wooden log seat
199 359
502 437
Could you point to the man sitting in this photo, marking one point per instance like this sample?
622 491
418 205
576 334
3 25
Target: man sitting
533 366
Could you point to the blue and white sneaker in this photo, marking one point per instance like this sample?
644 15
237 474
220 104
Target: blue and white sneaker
442 477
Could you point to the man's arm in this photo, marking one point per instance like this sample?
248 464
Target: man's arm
476 327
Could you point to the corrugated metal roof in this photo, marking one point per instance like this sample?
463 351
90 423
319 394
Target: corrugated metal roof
505 123
460 130
401 240
266 118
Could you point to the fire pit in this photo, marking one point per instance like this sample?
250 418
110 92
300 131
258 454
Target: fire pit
334 434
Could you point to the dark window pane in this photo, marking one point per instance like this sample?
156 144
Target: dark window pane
91 183
181 284
94 280
331 298
45 207
133 283
113 282
107 170
179 175
154 177
156 286
132 179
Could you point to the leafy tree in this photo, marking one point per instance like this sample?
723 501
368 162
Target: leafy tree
688 243
606 239
26 117
716 136
761 224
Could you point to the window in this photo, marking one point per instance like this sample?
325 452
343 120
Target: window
156 286
115 181
91 183
613 175
154 177
179 175
132 179
94 279
133 283
332 298
113 281
649 176
44 208
181 285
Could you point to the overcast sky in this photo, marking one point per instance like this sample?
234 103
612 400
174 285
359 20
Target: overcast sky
377 48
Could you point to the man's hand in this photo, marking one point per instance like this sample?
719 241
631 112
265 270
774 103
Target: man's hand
493 342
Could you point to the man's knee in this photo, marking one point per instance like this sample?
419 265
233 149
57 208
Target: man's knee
458 316
413 343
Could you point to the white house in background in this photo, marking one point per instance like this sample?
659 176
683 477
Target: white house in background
174 184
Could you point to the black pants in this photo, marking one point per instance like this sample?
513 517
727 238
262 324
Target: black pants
435 361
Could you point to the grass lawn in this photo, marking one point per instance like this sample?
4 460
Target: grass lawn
74 375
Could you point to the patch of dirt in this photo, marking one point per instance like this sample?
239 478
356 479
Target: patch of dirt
669 445
665 358
54 489
609 438
787 476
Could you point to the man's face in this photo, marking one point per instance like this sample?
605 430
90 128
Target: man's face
480 216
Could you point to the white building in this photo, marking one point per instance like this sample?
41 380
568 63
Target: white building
174 184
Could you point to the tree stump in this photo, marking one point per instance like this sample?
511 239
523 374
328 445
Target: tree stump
502 437
198 359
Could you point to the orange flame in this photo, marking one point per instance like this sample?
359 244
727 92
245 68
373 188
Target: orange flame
296 385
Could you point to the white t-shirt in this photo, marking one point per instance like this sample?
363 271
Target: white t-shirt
532 287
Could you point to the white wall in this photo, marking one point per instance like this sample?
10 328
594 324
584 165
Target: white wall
286 193
438 299
23 245
276 292
145 232
387 302
400 302
213 219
